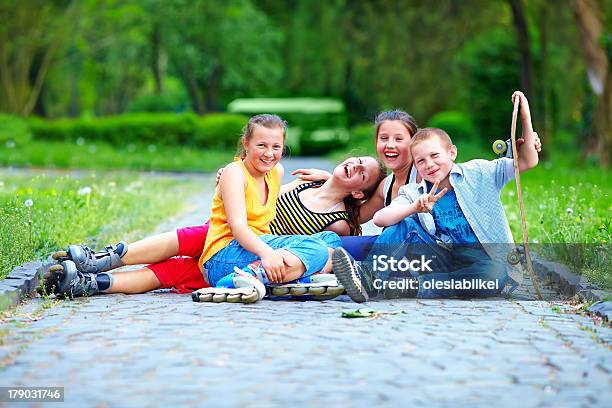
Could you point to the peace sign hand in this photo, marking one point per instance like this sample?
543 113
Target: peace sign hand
426 202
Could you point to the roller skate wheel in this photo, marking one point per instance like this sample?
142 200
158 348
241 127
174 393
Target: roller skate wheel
499 147
206 297
514 258
250 298
317 291
334 291
280 291
56 268
235 298
219 297
60 256
298 291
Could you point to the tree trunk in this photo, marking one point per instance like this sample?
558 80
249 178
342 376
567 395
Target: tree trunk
28 44
597 62
212 90
545 126
602 123
522 36
157 57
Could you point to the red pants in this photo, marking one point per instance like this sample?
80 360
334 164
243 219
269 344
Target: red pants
182 271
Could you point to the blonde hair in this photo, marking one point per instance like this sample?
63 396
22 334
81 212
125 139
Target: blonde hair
267 120
430 133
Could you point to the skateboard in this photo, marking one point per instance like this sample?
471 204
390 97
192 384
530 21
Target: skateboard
500 147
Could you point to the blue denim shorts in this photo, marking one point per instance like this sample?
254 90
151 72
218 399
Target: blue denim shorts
310 249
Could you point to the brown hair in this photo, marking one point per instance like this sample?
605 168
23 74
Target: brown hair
429 133
399 115
352 204
267 120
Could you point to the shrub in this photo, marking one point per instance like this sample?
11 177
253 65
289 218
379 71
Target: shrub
13 131
321 123
219 130
362 133
159 103
216 130
458 125
362 138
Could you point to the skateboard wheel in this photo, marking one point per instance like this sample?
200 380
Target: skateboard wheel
514 258
499 147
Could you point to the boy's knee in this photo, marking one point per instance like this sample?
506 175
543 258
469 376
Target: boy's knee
411 224
496 271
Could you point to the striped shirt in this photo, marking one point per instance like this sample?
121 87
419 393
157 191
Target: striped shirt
293 218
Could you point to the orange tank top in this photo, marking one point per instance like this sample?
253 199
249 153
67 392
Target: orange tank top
259 216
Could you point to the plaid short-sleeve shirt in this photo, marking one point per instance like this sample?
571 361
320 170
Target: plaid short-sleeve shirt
477 185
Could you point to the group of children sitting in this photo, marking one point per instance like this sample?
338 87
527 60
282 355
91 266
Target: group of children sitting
440 239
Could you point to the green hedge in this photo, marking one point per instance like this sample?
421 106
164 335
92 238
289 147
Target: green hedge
13 131
215 130
219 130
363 133
317 125
458 125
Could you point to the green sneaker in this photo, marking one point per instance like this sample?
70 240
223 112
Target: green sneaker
355 277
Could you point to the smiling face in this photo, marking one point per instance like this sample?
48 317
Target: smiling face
393 145
263 149
434 159
357 173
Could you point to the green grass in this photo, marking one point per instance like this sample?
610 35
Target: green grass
569 215
95 210
98 155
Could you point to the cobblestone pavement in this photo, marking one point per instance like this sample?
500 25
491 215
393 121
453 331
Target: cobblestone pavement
163 349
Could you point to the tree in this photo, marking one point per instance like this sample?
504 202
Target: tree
222 49
31 33
589 21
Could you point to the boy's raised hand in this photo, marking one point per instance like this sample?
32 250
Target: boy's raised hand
536 142
523 104
426 202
